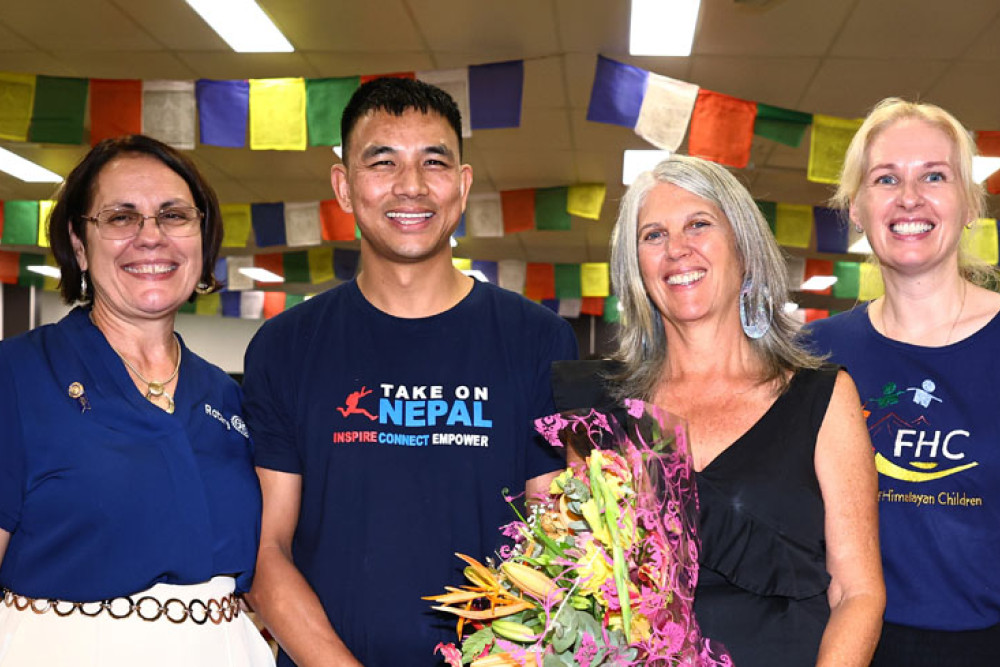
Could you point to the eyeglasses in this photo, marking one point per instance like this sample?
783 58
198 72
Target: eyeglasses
118 224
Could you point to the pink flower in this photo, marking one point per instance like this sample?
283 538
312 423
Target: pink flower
450 654
549 428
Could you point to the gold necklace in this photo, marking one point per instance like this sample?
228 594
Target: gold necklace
154 389
947 341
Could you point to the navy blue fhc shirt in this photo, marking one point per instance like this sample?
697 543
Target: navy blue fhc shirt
105 494
406 433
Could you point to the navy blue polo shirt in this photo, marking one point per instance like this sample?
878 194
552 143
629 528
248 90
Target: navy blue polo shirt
106 494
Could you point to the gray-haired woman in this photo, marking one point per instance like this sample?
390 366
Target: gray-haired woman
790 572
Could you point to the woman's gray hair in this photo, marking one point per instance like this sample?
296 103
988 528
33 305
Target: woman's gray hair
642 344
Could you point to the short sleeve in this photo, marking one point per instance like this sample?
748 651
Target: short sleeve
266 405
12 456
543 458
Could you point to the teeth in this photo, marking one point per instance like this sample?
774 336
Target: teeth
911 227
409 218
685 278
151 268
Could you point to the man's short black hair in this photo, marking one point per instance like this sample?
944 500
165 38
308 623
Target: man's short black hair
396 96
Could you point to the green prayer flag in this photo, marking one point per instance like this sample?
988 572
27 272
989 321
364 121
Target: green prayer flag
782 125
188 307
611 313
60 104
848 283
20 223
293 300
296 267
27 278
550 209
568 282
770 211
325 102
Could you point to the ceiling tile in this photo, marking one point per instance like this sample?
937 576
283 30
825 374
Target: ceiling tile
774 28
868 80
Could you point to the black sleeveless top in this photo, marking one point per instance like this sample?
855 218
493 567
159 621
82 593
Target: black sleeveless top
762 579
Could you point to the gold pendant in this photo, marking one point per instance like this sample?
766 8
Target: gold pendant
155 389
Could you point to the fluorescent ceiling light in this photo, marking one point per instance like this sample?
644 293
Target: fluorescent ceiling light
244 26
477 274
983 167
817 283
662 27
635 162
791 307
339 151
45 270
261 275
26 170
861 247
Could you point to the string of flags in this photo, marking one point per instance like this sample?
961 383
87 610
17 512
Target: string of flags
304 224
720 127
290 113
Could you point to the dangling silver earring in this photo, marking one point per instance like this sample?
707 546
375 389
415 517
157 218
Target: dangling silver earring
858 228
756 310
83 286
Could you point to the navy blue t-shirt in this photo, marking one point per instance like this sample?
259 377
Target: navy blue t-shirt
107 501
934 421
406 433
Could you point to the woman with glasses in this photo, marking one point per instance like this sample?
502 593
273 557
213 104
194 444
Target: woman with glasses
129 508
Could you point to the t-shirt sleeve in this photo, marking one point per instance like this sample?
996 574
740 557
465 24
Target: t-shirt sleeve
12 455
267 404
541 457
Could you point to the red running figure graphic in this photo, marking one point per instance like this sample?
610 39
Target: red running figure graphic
352 404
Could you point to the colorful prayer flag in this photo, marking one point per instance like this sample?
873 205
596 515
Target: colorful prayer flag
345 263
484 215
168 112
617 94
20 226
518 210
296 267
115 108
17 94
722 128
848 283
831 230
793 227
268 222
539 281
302 224
237 281
871 286
828 145
550 209
60 106
495 92
337 224
455 82
512 275
223 108
325 102
567 281
236 224
666 111
274 303
595 279
320 264
980 240
782 125
278 114
585 201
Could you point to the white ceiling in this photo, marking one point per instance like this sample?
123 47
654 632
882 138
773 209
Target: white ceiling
836 57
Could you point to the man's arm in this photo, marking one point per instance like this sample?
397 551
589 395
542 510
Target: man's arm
280 595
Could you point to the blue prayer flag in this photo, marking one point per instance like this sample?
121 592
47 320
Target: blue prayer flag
345 263
831 230
617 94
223 108
268 222
495 92
489 269
230 302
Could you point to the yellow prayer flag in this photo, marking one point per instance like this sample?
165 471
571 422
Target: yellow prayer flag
980 241
594 279
585 201
462 264
793 225
278 114
44 211
871 286
320 265
827 146
207 304
17 100
50 284
235 225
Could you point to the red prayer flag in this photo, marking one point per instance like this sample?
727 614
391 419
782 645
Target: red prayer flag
518 208
813 314
993 183
988 143
115 108
10 266
819 267
540 281
722 128
274 303
394 75
337 224
272 261
592 305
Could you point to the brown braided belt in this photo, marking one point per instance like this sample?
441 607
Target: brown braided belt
147 608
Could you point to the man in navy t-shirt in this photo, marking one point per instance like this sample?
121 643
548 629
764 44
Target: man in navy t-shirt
391 413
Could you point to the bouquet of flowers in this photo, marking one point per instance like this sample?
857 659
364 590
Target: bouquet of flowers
602 572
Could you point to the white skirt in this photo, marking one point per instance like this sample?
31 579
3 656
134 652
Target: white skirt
28 639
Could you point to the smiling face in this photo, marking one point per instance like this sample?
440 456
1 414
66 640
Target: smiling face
687 256
405 185
151 275
911 203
